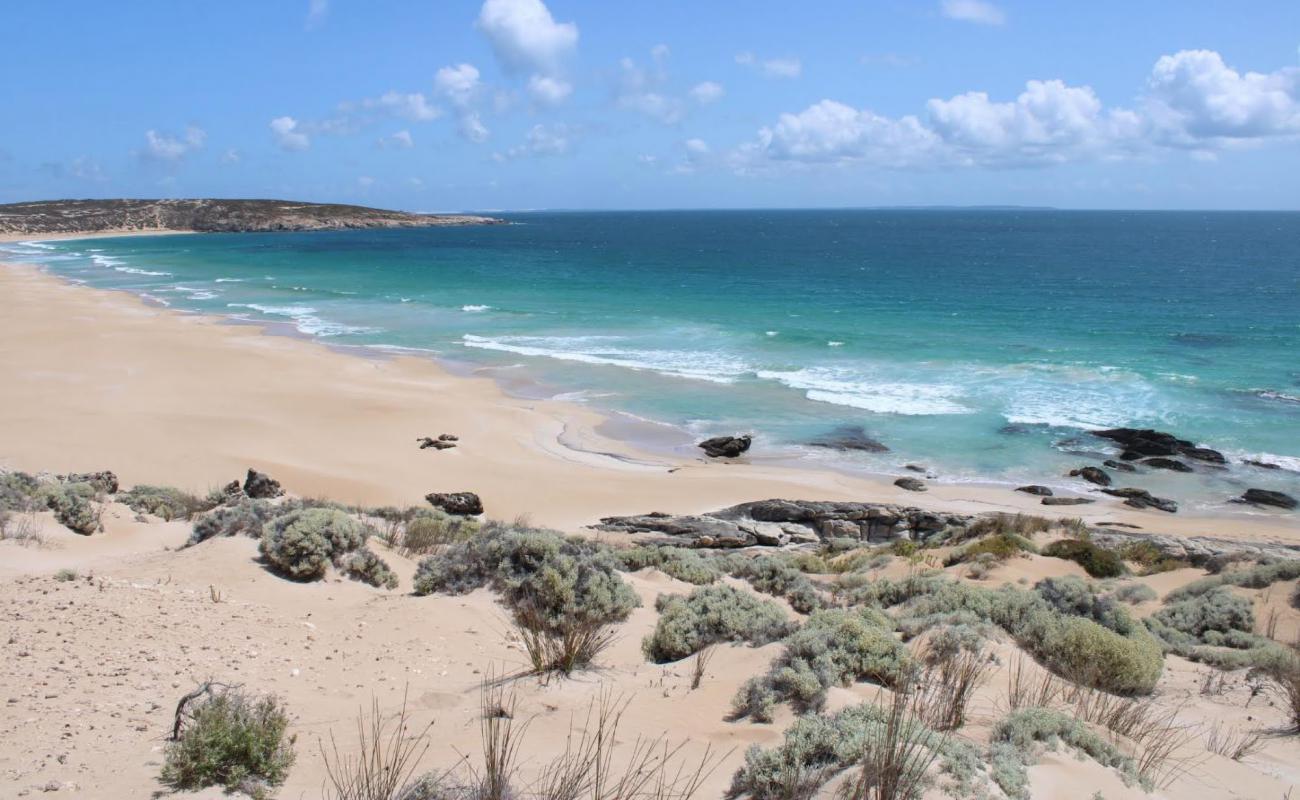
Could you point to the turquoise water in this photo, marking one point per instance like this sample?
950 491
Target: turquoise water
981 343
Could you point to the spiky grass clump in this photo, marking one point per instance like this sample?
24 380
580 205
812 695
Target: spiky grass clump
709 615
997 548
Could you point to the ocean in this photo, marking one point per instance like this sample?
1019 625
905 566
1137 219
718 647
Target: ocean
982 344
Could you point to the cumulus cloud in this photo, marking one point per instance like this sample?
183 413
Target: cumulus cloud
287 135
401 141
1193 100
542 140
164 147
548 91
639 90
706 93
459 84
525 37
412 106
471 127
231 156
771 67
976 11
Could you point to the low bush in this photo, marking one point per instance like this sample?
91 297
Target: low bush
676 562
777 577
1260 576
1022 525
72 506
1096 561
230 740
303 543
1073 596
65 575
426 530
1149 558
164 501
363 565
998 548
245 516
20 492
709 615
833 648
1016 739
1215 628
1217 610
1134 593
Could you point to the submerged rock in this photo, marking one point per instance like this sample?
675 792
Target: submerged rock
1095 475
1119 466
1141 498
1261 464
1159 462
1067 501
1033 488
849 437
459 504
725 446
261 486
1142 442
910 484
1268 497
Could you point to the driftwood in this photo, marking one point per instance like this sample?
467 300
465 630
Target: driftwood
204 688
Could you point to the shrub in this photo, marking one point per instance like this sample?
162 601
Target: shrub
1150 558
303 543
1260 576
164 501
1074 596
1215 628
708 615
677 562
1023 525
65 575
1088 653
1134 593
774 576
998 548
20 492
427 530
246 516
833 648
229 740
1216 610
363 565
1096 561
1016 737
71 504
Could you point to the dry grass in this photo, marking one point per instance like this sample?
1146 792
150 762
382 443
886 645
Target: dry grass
699 666
1232 743
563 651
385 760
1030 686
898 754
951 679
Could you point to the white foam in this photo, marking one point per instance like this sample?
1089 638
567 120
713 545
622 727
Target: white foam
306 321
842 387
228 280
105 261
712 367
772 333
1288 463
474 309
833 343
135 271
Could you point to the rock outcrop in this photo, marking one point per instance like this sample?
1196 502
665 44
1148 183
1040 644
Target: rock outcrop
1095 475
1067 501
261 486
1033 488
444 442
911 484
849 437
1268 497
459 504
725 446
1141 498
1142 442
1119 466
1172 464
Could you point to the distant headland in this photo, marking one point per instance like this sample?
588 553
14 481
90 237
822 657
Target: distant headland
209 216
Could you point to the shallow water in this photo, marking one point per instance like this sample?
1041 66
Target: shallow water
982 343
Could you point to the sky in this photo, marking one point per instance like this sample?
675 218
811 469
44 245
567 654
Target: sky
443 105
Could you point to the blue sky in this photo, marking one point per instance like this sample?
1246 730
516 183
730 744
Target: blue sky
519 104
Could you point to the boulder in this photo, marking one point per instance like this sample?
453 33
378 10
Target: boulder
1095 475
105 481
1141 498
839 529
725 446
1119 466
1066 501
1160 462
924 470
1268 497
232 490
910 484
849 437
459 504
1033 488
261 486
437 444
1144 442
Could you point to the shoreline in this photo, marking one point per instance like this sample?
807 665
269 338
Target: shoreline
551 459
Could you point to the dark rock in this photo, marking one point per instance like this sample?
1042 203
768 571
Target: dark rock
105 481
1143 442
849 437
448 437
725 446
910 484
917 468
1119 466
1261 464
1141 498
437 444
260 486
1033 488
1268 497
1014 429
460 504
232 490
1095 475
1066 501
1173 464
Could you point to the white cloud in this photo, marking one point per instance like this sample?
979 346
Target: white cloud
401 140
706 92
162 147
976 11
317 10
471 127
542 140
548 91
459 84
525 37
287 135
413 106
697 146
772 67
1193 100
231 156
365 182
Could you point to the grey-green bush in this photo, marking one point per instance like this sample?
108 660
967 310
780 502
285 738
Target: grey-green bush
1016 739
245 516
1260 576
303 543
833 648
709 615
775 576
229 740
20 492
164 501
71 504
1216 610
1134 593
677 562
363 565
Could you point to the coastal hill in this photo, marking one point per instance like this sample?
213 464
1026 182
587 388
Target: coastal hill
227 216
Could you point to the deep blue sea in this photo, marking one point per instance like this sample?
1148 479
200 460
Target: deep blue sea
981 343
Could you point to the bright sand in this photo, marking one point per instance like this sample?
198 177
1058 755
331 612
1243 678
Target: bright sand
96 380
